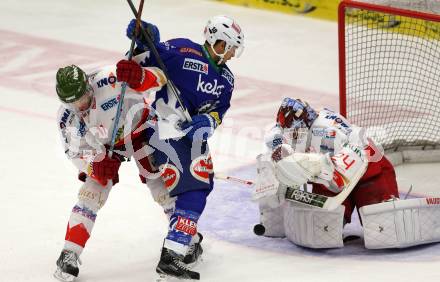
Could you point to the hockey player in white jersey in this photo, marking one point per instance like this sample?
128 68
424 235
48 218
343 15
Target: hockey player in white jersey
85 122
325 150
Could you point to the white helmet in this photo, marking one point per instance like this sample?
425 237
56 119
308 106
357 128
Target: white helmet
226 29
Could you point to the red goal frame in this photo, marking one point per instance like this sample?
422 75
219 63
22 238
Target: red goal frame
341 37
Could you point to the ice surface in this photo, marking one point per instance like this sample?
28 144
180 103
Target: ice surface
284 56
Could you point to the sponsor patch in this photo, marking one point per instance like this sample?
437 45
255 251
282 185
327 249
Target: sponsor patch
433 201
109 104
110 80
339 122
324 133
190 50
64 118
201 168
195 65
226 74
81 129
88 213
170 176
236 27
186 225
305 197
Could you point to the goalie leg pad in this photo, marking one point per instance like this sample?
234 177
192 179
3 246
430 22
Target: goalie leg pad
401 223
273 220
313 228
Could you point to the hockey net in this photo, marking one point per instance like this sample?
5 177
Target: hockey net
390 77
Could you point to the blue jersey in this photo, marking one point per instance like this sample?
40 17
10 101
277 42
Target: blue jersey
205 87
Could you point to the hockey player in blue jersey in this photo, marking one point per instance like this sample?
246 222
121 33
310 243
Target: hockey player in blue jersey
206 85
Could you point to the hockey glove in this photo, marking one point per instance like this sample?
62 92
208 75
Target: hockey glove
201 128
141 42
130 72
105 169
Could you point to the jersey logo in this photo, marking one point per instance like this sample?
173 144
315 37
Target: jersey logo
111 79
201 168
190 50
64 118
109 104
186 226
195 65
339 121
170 176
209 88
236 27
433 201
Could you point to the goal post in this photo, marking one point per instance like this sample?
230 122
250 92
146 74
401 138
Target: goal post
389 75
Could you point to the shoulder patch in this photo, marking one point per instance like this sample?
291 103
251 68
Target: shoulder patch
190 50
226 74
64 117
109 80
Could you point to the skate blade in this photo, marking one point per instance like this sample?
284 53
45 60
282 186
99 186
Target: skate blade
168 278
196 263
64 277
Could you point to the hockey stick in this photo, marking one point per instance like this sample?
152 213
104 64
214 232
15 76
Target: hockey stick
320 201
222 176
174 90
295 194
124 84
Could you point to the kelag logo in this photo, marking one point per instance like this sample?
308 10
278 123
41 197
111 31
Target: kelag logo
210 88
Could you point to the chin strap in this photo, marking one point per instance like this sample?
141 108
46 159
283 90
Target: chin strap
221 56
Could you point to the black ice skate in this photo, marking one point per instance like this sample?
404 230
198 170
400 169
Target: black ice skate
194 252
67 266
172 265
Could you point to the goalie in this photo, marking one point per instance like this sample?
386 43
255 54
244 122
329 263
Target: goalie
326 151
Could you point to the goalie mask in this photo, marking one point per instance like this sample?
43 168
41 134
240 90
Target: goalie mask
295 114
73 89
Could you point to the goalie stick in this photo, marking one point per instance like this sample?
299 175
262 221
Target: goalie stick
324 202
222 176
295 194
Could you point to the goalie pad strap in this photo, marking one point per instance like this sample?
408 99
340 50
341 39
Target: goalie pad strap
313 228
401 223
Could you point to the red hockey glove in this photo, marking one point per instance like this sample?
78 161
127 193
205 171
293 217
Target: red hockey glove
130 72
105 169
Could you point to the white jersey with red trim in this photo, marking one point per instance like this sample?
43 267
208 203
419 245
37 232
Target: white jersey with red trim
85 137
329 132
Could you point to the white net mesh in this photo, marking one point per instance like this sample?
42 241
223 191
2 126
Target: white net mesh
392 75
